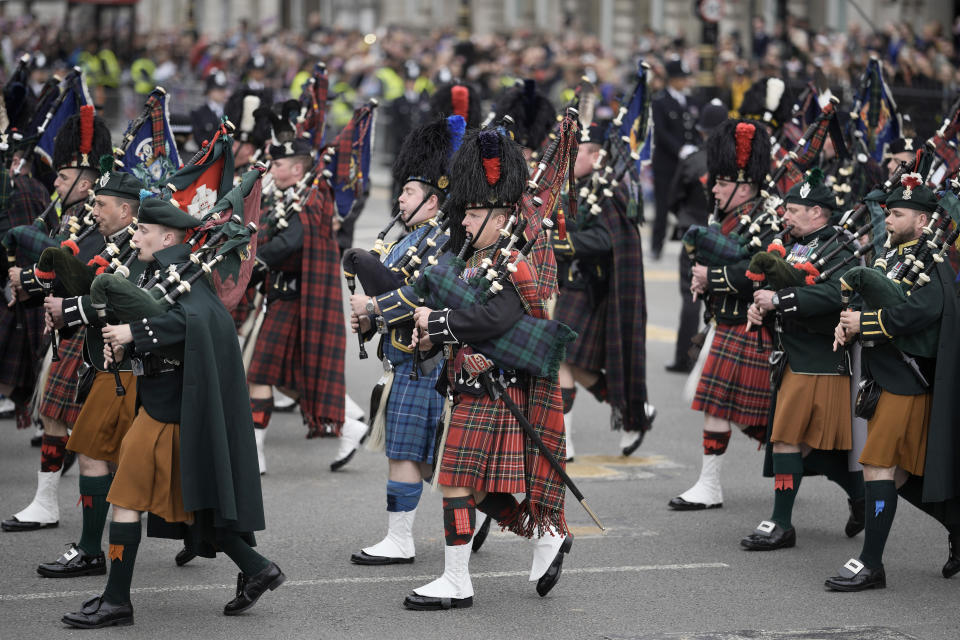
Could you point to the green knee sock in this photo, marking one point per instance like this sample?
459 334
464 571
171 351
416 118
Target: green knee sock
249 561
124 542
881 507
93 497
788 471
833 464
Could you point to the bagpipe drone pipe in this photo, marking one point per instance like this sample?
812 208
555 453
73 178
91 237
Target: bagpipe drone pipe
628 140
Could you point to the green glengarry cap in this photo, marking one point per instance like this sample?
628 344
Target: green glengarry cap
118 184
157 211
812 192
912 194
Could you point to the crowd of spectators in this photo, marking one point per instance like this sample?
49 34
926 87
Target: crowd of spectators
920 62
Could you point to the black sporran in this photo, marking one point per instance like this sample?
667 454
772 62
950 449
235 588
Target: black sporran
868 395
85 376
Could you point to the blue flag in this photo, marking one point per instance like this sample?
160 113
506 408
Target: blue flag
637 123
150 155
349 163
876 115
73 95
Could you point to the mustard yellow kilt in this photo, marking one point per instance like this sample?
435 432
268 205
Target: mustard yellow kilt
148 474
813 410
897 432
105 417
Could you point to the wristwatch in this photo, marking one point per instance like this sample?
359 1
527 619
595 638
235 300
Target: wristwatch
775 300
370 308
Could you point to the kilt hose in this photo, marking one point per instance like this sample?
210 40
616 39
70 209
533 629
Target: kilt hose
59 396
277 355
105 417
735 383
573 309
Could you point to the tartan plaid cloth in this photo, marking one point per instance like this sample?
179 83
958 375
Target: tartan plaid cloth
534 345
590 322
157 122
21 348
949 155
277 357
555 173
626 319
486 448
414 408
58 396
323 338
735 383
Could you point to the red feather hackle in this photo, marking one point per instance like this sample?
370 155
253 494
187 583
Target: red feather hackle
86 128
744 137
460 99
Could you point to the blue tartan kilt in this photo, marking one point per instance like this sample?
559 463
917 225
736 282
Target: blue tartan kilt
413 410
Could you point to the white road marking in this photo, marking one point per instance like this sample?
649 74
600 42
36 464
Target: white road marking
370 580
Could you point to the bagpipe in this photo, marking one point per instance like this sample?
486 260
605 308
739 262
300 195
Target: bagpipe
533 345
708 245
879 289
216 250
622 149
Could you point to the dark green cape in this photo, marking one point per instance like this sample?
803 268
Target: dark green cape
941 475
218 455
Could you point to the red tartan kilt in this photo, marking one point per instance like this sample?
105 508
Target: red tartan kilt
735 383
277 355
61 390
485 445
589 349
18 360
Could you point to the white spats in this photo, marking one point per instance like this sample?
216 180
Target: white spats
45 508
568 429
351 435
399 540
545 549
455 582
260 435
354 410
707 490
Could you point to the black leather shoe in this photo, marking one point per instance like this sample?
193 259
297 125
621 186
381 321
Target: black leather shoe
98 613
249 589
679 367
375 561
481 535
952 567
12 524
73 563
550 579
769 536
857 519
854 576
679 504
430 603
184 556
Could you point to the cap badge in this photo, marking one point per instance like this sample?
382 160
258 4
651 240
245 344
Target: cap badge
805 190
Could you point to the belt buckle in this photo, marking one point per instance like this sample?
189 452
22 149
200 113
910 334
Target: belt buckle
136 366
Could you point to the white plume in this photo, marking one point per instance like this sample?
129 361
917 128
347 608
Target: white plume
250 104
775 89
